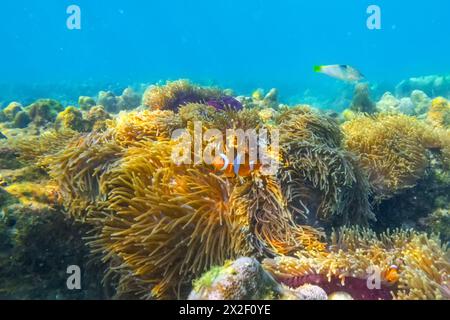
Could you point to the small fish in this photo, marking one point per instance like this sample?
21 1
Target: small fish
236 168
2 136
392 274
340 71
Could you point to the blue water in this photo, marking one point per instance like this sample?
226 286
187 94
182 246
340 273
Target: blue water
239 44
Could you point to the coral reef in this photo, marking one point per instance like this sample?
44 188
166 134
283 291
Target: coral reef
36 247
433 85
44 111
245 279
10 112
103 175
70 119
21 120
390 104
421 102
361 99
358 256
86 103
113 104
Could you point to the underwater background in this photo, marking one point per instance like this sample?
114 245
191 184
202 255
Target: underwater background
243 45
94 206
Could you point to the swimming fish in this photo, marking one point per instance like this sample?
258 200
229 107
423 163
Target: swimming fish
2 136
392 274
340 71
235 168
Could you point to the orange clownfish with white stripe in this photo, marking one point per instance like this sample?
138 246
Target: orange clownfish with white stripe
392 274
236 168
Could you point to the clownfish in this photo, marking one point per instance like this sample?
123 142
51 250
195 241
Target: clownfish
235 168
392 274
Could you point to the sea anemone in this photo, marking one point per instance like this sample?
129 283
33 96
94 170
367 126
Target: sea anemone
33 150
392 149
169 224
12 110
304 124
173 95
358 256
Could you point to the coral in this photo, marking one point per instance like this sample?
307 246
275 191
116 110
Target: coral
322 183
267 115
129 100
21 120
44 111
243 279
86 103
356 254
79 169
259 100
8 157
113 104
173 95
438 222
392 148
439 113
33 149
12 110
36 247
361 99
70 119
434 85
96 118
304 292
421 102
390 104
108 100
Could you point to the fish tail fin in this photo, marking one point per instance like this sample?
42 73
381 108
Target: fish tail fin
317 68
